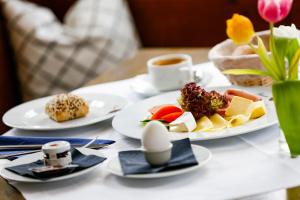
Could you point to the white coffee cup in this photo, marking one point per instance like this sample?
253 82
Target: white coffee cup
170 72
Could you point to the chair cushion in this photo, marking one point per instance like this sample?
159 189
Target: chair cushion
55 57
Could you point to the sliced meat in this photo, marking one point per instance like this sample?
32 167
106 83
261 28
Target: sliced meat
234 92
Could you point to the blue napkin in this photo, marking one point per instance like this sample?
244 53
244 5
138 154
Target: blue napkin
83 162
134 162
14 140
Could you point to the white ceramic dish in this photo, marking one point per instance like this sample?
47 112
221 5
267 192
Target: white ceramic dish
37 156
141 84
31 115
127 122
202 154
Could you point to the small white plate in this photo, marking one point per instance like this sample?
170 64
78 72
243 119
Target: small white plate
31 115
38 156
202 155
127 122
142 85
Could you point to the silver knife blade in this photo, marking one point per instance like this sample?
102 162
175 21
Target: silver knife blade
39 146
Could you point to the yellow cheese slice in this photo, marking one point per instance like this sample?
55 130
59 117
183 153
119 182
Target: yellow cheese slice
239 106
259 109
203 124
218 122
237 120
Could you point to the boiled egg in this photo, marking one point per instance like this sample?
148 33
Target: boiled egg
155 137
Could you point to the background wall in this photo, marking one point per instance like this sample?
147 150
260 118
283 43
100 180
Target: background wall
194 22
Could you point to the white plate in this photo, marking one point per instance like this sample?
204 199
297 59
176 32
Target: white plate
202 155
38 156
142 85
31 115
127 122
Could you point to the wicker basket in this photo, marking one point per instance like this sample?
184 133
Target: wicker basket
222 56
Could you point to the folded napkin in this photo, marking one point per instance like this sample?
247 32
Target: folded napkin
83 162
133 162
13 140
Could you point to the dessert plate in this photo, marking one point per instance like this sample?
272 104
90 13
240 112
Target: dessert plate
202 155
38 156
142 85
127 122
31 115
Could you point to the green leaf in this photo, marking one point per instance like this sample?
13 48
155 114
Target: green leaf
246 72
294 65
292 48
146 121
277 62
282 46
265 59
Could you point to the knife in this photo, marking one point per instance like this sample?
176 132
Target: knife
39 146
9 155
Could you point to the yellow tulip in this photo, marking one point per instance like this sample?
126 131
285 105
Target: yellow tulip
240 29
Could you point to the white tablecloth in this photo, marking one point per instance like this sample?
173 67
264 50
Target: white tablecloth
243 165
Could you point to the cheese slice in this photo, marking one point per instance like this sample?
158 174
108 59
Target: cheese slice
218 122
239 106
237 120
185 123
203 124
258 110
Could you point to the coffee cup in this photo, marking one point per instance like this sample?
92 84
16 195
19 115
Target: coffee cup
170 72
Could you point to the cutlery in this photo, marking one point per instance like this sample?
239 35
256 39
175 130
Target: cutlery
91 146
91 142
38 146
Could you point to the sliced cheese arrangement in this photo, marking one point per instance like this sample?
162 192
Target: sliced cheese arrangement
202 111
239 111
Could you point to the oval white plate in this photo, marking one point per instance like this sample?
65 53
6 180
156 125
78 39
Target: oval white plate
38 156
127 122
202 155
31 115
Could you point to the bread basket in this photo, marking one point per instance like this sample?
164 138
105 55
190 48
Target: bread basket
222 57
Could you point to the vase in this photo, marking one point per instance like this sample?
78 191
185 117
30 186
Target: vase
287 102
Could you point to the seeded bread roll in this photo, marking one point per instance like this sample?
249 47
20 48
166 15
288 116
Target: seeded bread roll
65 107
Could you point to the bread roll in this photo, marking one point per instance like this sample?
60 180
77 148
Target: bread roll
65 107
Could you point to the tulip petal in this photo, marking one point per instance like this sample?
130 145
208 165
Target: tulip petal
285 7
274 10
239 29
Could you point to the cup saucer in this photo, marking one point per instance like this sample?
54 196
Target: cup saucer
142 85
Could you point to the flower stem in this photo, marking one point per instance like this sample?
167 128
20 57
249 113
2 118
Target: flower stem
271 29
278 66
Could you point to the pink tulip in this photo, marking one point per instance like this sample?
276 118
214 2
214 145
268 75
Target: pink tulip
274 10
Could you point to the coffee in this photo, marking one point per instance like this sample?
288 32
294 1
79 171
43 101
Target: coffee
169 61
170 72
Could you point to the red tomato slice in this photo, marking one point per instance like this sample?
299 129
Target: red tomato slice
156 108
171 117
164 110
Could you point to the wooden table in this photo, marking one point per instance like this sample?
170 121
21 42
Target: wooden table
137 65
127 69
